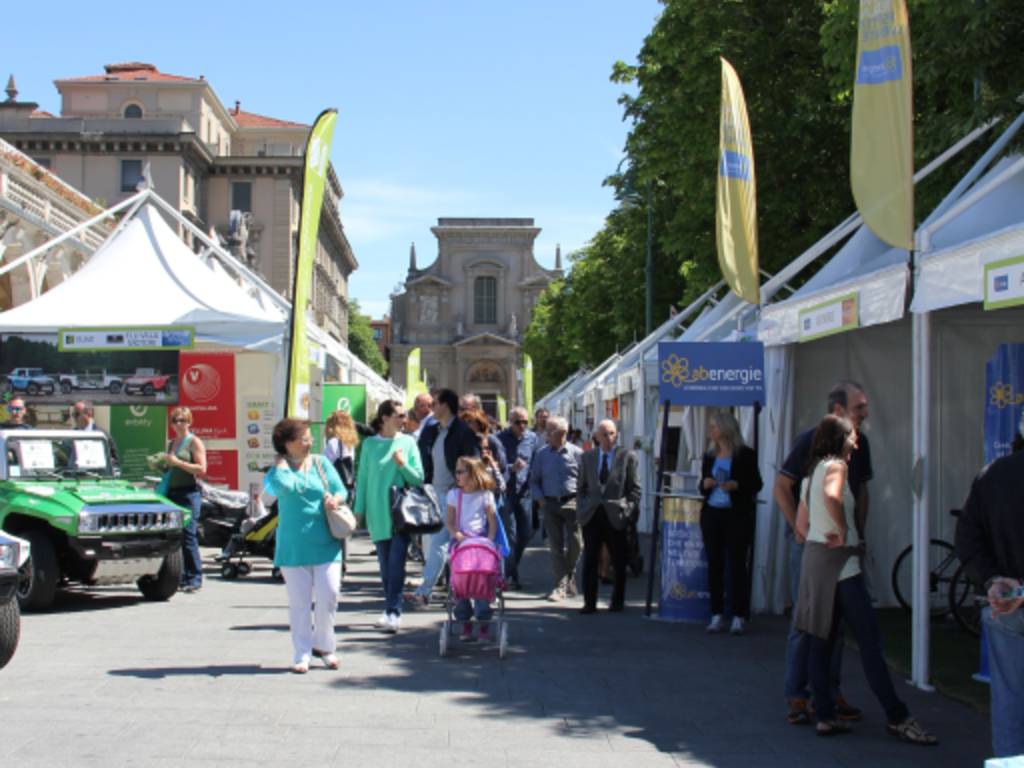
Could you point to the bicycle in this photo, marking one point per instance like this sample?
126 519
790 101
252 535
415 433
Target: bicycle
951 591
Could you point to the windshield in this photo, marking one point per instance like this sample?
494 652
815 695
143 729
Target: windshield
56 458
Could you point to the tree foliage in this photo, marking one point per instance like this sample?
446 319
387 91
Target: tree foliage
361 341
796 62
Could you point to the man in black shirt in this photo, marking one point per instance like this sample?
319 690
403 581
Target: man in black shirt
16 408
848 400
990 541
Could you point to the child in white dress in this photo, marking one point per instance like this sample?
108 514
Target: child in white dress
472 513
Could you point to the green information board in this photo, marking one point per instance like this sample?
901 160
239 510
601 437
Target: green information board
139 431
345 397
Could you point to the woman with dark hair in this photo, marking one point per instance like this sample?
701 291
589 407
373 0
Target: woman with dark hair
308 555
388 458
730 482
832 585
186 461
492 452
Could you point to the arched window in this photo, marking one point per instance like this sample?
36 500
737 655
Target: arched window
133 111
485 300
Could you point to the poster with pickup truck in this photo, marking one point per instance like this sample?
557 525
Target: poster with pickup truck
114 367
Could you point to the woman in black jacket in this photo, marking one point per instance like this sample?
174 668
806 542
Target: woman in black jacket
730 481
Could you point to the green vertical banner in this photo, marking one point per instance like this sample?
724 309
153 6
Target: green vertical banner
139 431
502 410
413 382
350 398
528 384
318 158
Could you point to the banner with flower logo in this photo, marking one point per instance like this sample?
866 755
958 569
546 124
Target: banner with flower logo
711 373
1004 400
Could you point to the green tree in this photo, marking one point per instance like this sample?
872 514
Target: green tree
361 341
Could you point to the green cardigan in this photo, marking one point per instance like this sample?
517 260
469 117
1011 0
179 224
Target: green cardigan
378 473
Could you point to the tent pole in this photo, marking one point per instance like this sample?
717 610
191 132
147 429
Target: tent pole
72 232
658 485
753 520
921 414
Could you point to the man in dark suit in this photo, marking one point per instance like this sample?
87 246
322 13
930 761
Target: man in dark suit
608 496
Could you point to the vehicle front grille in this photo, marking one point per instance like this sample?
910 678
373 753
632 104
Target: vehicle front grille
137 518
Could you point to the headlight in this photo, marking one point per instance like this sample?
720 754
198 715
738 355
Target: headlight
8 555
174 518
88 523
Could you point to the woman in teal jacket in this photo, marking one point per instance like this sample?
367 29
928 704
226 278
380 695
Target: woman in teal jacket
388 458
307 554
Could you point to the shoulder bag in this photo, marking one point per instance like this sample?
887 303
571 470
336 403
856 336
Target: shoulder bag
415 510
340 520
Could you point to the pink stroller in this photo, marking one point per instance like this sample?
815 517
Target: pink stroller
476 569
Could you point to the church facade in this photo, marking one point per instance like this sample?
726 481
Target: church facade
468 310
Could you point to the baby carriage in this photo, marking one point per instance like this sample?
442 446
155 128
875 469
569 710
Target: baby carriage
253 537
475 567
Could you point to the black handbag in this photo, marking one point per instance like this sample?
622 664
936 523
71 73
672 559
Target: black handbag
415 510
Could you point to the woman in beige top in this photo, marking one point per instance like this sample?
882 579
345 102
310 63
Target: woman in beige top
832 585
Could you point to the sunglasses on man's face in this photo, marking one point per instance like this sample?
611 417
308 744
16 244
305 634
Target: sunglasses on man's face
520 422
15 408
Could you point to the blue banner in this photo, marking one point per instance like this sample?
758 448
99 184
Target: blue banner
684 566
1004 400
711 373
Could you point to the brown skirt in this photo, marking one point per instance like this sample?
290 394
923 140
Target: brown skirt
816 595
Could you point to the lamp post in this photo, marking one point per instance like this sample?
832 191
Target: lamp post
628 194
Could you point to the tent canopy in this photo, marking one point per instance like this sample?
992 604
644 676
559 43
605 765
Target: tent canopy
144 275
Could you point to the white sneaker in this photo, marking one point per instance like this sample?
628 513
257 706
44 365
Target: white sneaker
384 622
717 624
738 626
394 622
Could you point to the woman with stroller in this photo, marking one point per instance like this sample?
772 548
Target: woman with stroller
388 458
832 585
472 514
307 554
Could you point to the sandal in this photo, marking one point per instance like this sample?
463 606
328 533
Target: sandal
798 714
831 728
911 731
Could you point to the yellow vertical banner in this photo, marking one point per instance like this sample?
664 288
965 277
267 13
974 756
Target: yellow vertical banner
317 160
413 383
736 197
528 383
882 146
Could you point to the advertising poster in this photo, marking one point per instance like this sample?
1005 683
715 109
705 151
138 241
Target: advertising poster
139 431
256 415
350 398
222 467
684 566
207 388
711 373
35 367
1004 401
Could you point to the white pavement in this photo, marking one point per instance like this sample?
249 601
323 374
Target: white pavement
106 679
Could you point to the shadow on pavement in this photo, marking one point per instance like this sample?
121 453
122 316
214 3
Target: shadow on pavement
212 670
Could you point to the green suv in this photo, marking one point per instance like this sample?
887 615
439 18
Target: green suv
60 492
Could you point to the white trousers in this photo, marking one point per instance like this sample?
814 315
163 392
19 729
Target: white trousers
315 585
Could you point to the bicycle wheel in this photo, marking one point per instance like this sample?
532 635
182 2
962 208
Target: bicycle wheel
942 565
964 603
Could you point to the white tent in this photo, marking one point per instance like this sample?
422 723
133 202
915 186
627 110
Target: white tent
144 275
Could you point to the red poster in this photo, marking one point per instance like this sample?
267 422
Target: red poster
222 467
206 386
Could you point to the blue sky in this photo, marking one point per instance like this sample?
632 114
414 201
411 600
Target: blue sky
448 108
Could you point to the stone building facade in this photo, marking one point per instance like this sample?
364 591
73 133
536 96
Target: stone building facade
468 310
237 172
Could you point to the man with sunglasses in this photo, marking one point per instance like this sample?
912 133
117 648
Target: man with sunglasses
16 409
521 443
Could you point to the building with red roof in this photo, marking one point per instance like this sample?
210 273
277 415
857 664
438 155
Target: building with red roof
233 171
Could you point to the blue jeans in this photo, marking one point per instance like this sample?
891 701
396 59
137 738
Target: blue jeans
480 608
391 561
435 552
192 561
1006 669
853 605
518 527
798 644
